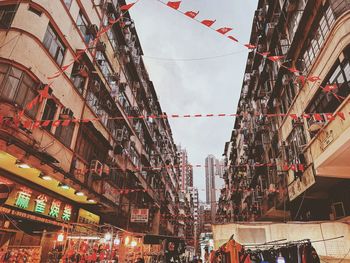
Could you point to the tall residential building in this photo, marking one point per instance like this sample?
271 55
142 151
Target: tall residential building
185 170
210 163
76 153
213 173
195 198
287 120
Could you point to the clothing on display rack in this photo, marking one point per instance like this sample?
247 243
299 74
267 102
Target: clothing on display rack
293 252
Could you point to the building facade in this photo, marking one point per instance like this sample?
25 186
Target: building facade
56 165
213 175
286 156
185 169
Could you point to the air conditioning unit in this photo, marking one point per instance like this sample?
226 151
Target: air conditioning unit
120 134
105 169
316 126
66 113
292 5
135 111
92 29
137 84
123 49
270 27
95 86
101 46
338 210
96 167
114 76
109 105
122 86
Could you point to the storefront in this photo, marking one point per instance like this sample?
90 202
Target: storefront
163 248
30 222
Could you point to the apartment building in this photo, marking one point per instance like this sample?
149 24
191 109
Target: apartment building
286 158
85 153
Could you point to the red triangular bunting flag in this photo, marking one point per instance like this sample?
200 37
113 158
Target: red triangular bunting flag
293 70
224 30
208 23
329 88
302 79
313 78
191 14
232 38
318 117
126 7
44 93
174 5
250 46
341 115
265 54
275 58
301 168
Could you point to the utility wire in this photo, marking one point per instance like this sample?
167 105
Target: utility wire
195 59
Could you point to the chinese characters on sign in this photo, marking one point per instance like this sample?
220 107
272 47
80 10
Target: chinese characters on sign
41 204
22 200
139 216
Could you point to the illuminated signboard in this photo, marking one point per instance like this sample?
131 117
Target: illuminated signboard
30 200
139 216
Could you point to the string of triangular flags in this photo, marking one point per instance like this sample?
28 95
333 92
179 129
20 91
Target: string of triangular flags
284 166
30 124
44 93
274 58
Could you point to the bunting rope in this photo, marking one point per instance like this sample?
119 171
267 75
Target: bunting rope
45 92
284 166
175 5
30 124
192 15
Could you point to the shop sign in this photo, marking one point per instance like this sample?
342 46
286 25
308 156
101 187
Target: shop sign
139 215
9 211
86 217
299 186
4 193
29 200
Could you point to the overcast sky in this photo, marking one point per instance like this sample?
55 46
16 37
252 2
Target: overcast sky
198 86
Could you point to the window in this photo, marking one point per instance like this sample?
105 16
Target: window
65 134
49 112
78 76
68 3
89 146
83 24
7 13
315 43
17 87
54 45
326 101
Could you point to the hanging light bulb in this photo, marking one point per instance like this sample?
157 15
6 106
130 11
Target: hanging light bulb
116 241
133 243
108 237
60 237
127 240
